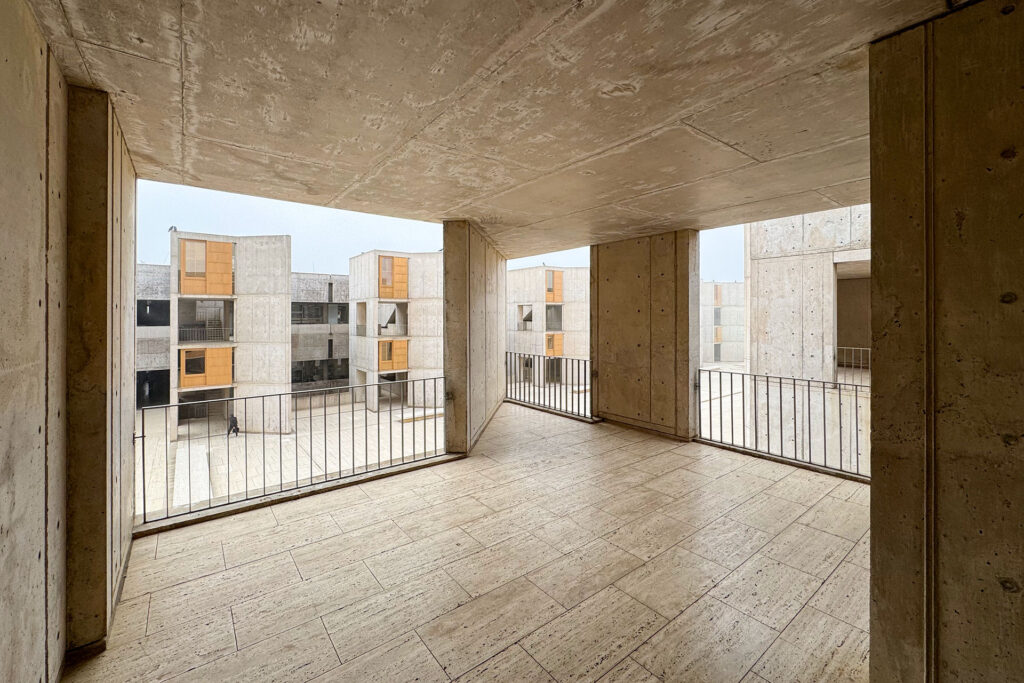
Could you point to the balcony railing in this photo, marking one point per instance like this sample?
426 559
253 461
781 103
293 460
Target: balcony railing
205 333
853 365
524 325
555 383
280 443
822 424
395 330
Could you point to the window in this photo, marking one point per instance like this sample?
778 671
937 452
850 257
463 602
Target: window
342 314
718 352
195 258
195 362
525 321
549 276
330 348
387 271
718 315
385 351
153 312
308 314
554 318
330 292
551 342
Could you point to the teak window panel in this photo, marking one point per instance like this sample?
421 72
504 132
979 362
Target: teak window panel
393 354
553 344
206 267
553 286
205 367
393 277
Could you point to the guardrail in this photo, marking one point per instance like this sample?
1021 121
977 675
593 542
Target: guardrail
393 331
246 448
555 383
812 422
205 333
523 326
853 365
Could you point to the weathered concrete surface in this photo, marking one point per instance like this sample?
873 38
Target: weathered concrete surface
528 287
474 333
548 124
32 455
100 364
729 330
947 313
645 331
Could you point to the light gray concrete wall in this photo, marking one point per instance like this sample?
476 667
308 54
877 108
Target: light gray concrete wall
312 287
152 348
33 152
791 276
947 287
853 312
152 281
733 326
474 333
644 331
101 395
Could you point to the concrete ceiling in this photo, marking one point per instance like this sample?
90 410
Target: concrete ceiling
552 124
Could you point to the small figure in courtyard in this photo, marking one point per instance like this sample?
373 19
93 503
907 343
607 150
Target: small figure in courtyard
233 426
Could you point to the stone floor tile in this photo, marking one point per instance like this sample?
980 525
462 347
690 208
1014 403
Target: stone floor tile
708 643
620 480
663 463
564 534
299 654
738 485
129 623
701 507
387 487
634 503
767 469
511 494
457 487
437 518
816 647
846 595
188 538
595 520
803 486
628 671
457 468
838 517
479 629
340 551
767 513
650 535
718 464
498 564
672 581
362 626
853 491
575 577
808 550
861 553
767 590
572 498
585 643
394 566
378 510
146 575
297 603
217 591
726 542
678 482
493 528
145 547
511 664
259 544
398 661
320 503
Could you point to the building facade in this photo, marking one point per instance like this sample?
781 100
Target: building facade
395 308
808 293
320 331
723 326
549 311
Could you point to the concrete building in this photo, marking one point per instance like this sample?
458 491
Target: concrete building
528 128
152 335
229 321
395 305
549 311
320 331
808 293
723 324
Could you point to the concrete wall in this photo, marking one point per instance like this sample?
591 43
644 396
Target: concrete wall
33 154
791 284
733 327
644 331
528 286
947 542
152 281
474 333
312 287
853 312
101 395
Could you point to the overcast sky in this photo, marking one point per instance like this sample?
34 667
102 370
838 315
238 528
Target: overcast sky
323 239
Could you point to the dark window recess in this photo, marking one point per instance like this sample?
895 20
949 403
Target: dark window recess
309 314
330 292
195 362
718 352
718 315
554 319
330 370
330 348
152 388
337 314
152 313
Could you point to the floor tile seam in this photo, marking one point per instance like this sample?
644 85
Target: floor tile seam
826 580
823 531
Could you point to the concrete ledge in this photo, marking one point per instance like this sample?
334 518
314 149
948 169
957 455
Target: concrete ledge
179 521
543 409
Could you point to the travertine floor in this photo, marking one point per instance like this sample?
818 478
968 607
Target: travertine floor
558 550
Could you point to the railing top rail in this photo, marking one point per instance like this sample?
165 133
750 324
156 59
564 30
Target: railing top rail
541 355
780 378
292 393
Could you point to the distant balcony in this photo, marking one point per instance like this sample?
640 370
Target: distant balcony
203 332
524 326
394 330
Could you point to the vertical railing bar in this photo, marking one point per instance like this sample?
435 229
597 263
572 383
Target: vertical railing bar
209 461
188 440
376 391
309 416
732 425
167 458
743 406
824 427
144 501
434 387
782 430
280 444
796 453
721 432
807 420
245 445
402 418
754 378
352 404
839 388
366 427
263 424
856 424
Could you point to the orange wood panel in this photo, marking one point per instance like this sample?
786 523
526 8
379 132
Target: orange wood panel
217 370
189 285
219 276
401 290
399 354
553 344
555 295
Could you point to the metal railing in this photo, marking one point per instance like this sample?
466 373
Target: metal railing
524 325
853 365
554 382
394 330
204 333
826 424
283 442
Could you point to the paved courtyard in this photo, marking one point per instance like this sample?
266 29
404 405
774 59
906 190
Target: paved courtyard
558 550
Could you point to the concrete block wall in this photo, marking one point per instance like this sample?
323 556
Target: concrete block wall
644 331
33 150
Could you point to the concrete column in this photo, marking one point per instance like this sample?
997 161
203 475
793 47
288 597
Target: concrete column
947 499
644 330
474 333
